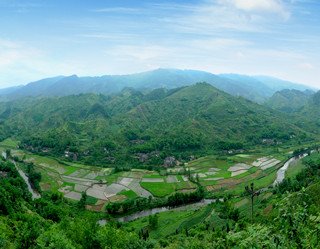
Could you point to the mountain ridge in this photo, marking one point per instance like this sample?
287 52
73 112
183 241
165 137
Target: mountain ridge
237 85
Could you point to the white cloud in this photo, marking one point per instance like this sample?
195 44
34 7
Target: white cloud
306 65
213 16
140 53
259 6
12 53
118 10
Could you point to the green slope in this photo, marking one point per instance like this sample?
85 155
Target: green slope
112 129
289 100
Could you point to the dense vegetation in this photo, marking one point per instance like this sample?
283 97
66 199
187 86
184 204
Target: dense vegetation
133 129
52 222
302 107
289 100
151 129
139 204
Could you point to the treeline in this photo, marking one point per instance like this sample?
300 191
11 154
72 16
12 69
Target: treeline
34 177
12 189
139 204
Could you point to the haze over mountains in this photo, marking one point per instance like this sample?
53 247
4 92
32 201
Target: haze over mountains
255 88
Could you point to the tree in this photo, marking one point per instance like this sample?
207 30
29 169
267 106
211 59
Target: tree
250 190
8 153
83 200
55 239
153 221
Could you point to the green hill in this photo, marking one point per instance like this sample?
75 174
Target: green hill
289 100
115 129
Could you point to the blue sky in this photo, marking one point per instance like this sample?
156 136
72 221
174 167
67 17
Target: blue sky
40 39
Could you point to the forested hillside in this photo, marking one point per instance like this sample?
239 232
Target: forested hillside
289 101
109 130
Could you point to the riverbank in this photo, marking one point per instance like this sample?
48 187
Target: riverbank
282 171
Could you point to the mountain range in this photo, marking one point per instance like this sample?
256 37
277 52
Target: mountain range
254 88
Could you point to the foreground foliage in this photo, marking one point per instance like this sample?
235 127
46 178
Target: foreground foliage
52 222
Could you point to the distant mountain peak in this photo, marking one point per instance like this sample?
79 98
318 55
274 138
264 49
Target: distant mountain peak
252 88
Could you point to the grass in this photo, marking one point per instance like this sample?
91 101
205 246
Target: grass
179 177
159 189
243 155
48 182
209 162
169 222
162 189
9 143
128 193
91 200
215 220
154 175
113 177
208 183
249 172
70 169
197 218
68 184
295 169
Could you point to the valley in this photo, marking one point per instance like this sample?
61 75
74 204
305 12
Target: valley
160 164
217 174
159 124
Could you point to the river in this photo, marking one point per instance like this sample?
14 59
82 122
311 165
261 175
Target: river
34 194
282 171
153 211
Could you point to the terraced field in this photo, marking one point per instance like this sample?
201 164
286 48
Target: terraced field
102 185
232 173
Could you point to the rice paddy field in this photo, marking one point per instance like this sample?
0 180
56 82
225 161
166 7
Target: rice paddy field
229 173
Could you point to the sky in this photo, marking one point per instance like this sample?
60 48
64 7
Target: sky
44 38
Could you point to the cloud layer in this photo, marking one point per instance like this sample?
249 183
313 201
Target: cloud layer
275 37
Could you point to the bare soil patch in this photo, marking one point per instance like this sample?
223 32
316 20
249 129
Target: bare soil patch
125 181
135 186
214 179
80 188
73 195
239 166
239 172
172 179
152 180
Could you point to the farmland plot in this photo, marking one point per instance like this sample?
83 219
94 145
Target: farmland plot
125 181
171 179
135 186
152 180
73 195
